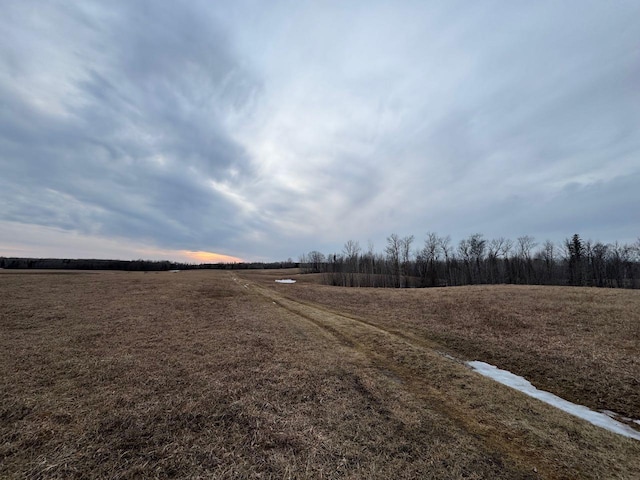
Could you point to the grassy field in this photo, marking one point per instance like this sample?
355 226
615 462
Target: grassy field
220 374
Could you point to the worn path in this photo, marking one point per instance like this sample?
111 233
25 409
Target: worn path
533 435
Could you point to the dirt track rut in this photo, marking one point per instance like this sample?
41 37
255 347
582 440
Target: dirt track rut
529 433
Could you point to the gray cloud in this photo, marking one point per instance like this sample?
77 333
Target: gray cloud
128 145
264 132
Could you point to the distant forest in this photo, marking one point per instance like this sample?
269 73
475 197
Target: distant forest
476 260
130 265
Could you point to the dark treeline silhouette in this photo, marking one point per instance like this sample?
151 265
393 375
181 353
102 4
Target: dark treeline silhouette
130 265
476 260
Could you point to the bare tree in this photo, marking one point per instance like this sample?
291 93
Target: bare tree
494 252
472 251
548 257
526 244
405 250
393 251
352 263
428 259
548 251
506 248
351 249
368 264
598 253
316 261
494 247
447 252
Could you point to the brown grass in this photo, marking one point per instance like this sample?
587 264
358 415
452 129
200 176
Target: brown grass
195 375
582 344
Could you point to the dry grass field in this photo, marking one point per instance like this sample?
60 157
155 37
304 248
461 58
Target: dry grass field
222 374
581 343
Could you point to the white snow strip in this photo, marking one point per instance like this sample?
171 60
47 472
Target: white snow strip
286 280
514 381
174 271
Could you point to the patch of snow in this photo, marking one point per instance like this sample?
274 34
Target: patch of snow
519 383
174 271
285 280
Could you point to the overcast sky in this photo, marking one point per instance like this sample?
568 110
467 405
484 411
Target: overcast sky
262 130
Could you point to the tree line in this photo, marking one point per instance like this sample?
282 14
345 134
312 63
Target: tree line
130 265
477 260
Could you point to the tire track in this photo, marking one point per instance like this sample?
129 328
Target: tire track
503 421
302 308
489 434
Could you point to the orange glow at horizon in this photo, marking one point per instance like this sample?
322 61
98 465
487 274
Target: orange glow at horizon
210 257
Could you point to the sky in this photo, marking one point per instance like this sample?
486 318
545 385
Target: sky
247 130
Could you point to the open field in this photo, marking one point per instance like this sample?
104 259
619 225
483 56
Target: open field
227 374
585 341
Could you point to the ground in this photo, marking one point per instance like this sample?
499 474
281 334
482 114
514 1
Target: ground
227 374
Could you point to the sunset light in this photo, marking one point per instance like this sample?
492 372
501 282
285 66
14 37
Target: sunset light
209 257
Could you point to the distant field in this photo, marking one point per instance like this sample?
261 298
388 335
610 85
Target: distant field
227 374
